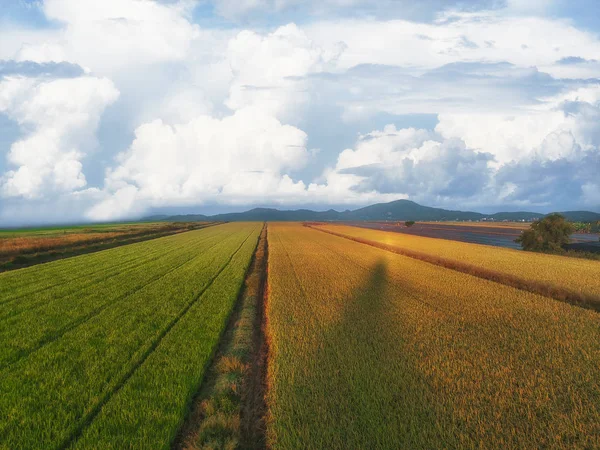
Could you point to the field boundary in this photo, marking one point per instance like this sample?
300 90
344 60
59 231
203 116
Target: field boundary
228 409
254 405
562 294
138 361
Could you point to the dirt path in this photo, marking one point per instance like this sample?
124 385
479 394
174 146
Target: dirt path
229 410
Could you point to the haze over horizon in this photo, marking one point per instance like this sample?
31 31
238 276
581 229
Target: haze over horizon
123 108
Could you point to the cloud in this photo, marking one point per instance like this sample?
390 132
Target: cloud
269 70
418 164
33 69
532 41
104 36
568 60
532 132
59 118
561 181
241 158
560 172
228 115
248 10
367 89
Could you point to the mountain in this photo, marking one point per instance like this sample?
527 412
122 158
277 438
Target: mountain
185 218
263 214
407 210
156 218
582 216
397 210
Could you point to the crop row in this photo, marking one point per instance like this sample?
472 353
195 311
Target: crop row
55 275
370 349
577 277
161 334
38 319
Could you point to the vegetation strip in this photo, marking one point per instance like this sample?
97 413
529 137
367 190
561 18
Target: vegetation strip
48 252
149 409
229 408
42 335
86 420
79 279
48 393
560 293
78 322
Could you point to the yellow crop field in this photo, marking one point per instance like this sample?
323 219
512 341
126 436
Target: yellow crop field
576 275
371 349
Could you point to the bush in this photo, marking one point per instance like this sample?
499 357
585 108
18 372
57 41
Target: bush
547 235
582 227
409 223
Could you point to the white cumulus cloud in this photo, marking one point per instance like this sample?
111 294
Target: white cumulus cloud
242 158
269 70
111 35
59 119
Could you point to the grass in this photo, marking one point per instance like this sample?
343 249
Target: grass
572 280
63 229
21 248
371 349
106 350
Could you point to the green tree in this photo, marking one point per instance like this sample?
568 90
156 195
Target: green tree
547 235
409 223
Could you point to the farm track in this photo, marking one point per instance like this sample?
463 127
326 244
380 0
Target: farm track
242 343
560 293
78 322
138 361
254 406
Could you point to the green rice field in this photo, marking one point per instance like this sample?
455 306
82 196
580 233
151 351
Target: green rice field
106 350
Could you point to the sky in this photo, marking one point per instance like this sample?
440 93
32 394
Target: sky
118 109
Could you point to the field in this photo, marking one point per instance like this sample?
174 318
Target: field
371 349
107 350
24 247
294 336
509 225
496 234
574 278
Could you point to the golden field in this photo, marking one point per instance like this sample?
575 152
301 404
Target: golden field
572 274
371 349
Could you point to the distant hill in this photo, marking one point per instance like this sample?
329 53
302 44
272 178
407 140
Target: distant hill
582 216
156 218
407 210
184 218
397 210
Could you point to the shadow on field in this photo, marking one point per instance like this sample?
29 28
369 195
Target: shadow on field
371 394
